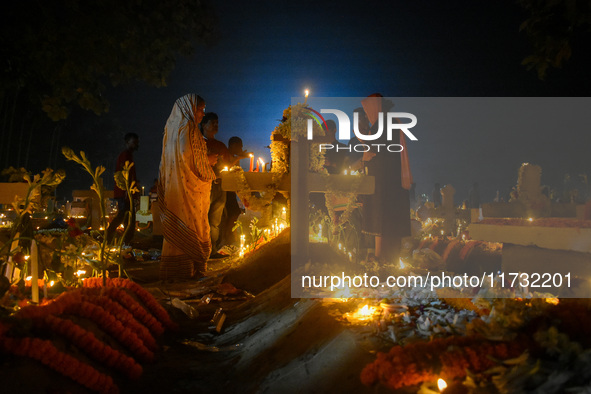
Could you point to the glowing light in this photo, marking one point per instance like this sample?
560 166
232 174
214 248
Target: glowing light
401 264
441 384
340 246
553 301
80 272
530 219
225 168
27 257
364 313
101 228
28 278
51 283
345 172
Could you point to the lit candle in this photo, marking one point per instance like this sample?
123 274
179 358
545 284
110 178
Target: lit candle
258 162
143 191
34 273
251 161
262 165
306 97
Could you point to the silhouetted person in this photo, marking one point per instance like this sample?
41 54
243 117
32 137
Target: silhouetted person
232 210
132 143
209 128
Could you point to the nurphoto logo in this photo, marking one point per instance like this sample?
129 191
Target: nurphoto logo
344 130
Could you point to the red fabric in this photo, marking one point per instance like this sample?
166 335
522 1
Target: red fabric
126 155
405 164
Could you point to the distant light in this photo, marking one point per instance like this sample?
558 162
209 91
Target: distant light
441 384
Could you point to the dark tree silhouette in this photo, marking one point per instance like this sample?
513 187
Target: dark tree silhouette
555 28
64 53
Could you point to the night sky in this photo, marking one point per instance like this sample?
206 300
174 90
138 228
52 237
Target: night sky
269 52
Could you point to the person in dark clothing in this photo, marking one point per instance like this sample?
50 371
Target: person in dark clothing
209 128
132 143
386 212
232 210
334 158
354 161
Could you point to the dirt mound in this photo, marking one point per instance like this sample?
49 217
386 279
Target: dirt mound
291 345
264 267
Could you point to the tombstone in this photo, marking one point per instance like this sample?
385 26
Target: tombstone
529 191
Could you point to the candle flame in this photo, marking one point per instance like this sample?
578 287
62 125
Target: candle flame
441 384
51 283
307 92
530 219
553 301
28 278
366 311
250 155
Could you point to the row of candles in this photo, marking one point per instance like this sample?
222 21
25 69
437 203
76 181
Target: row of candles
275 230
260 164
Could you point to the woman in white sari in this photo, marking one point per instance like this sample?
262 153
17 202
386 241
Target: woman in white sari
184 187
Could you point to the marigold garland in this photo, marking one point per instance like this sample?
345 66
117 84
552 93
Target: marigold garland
45 352
87 342
68 303
120 304
124 316
147 298
467 248
449 358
